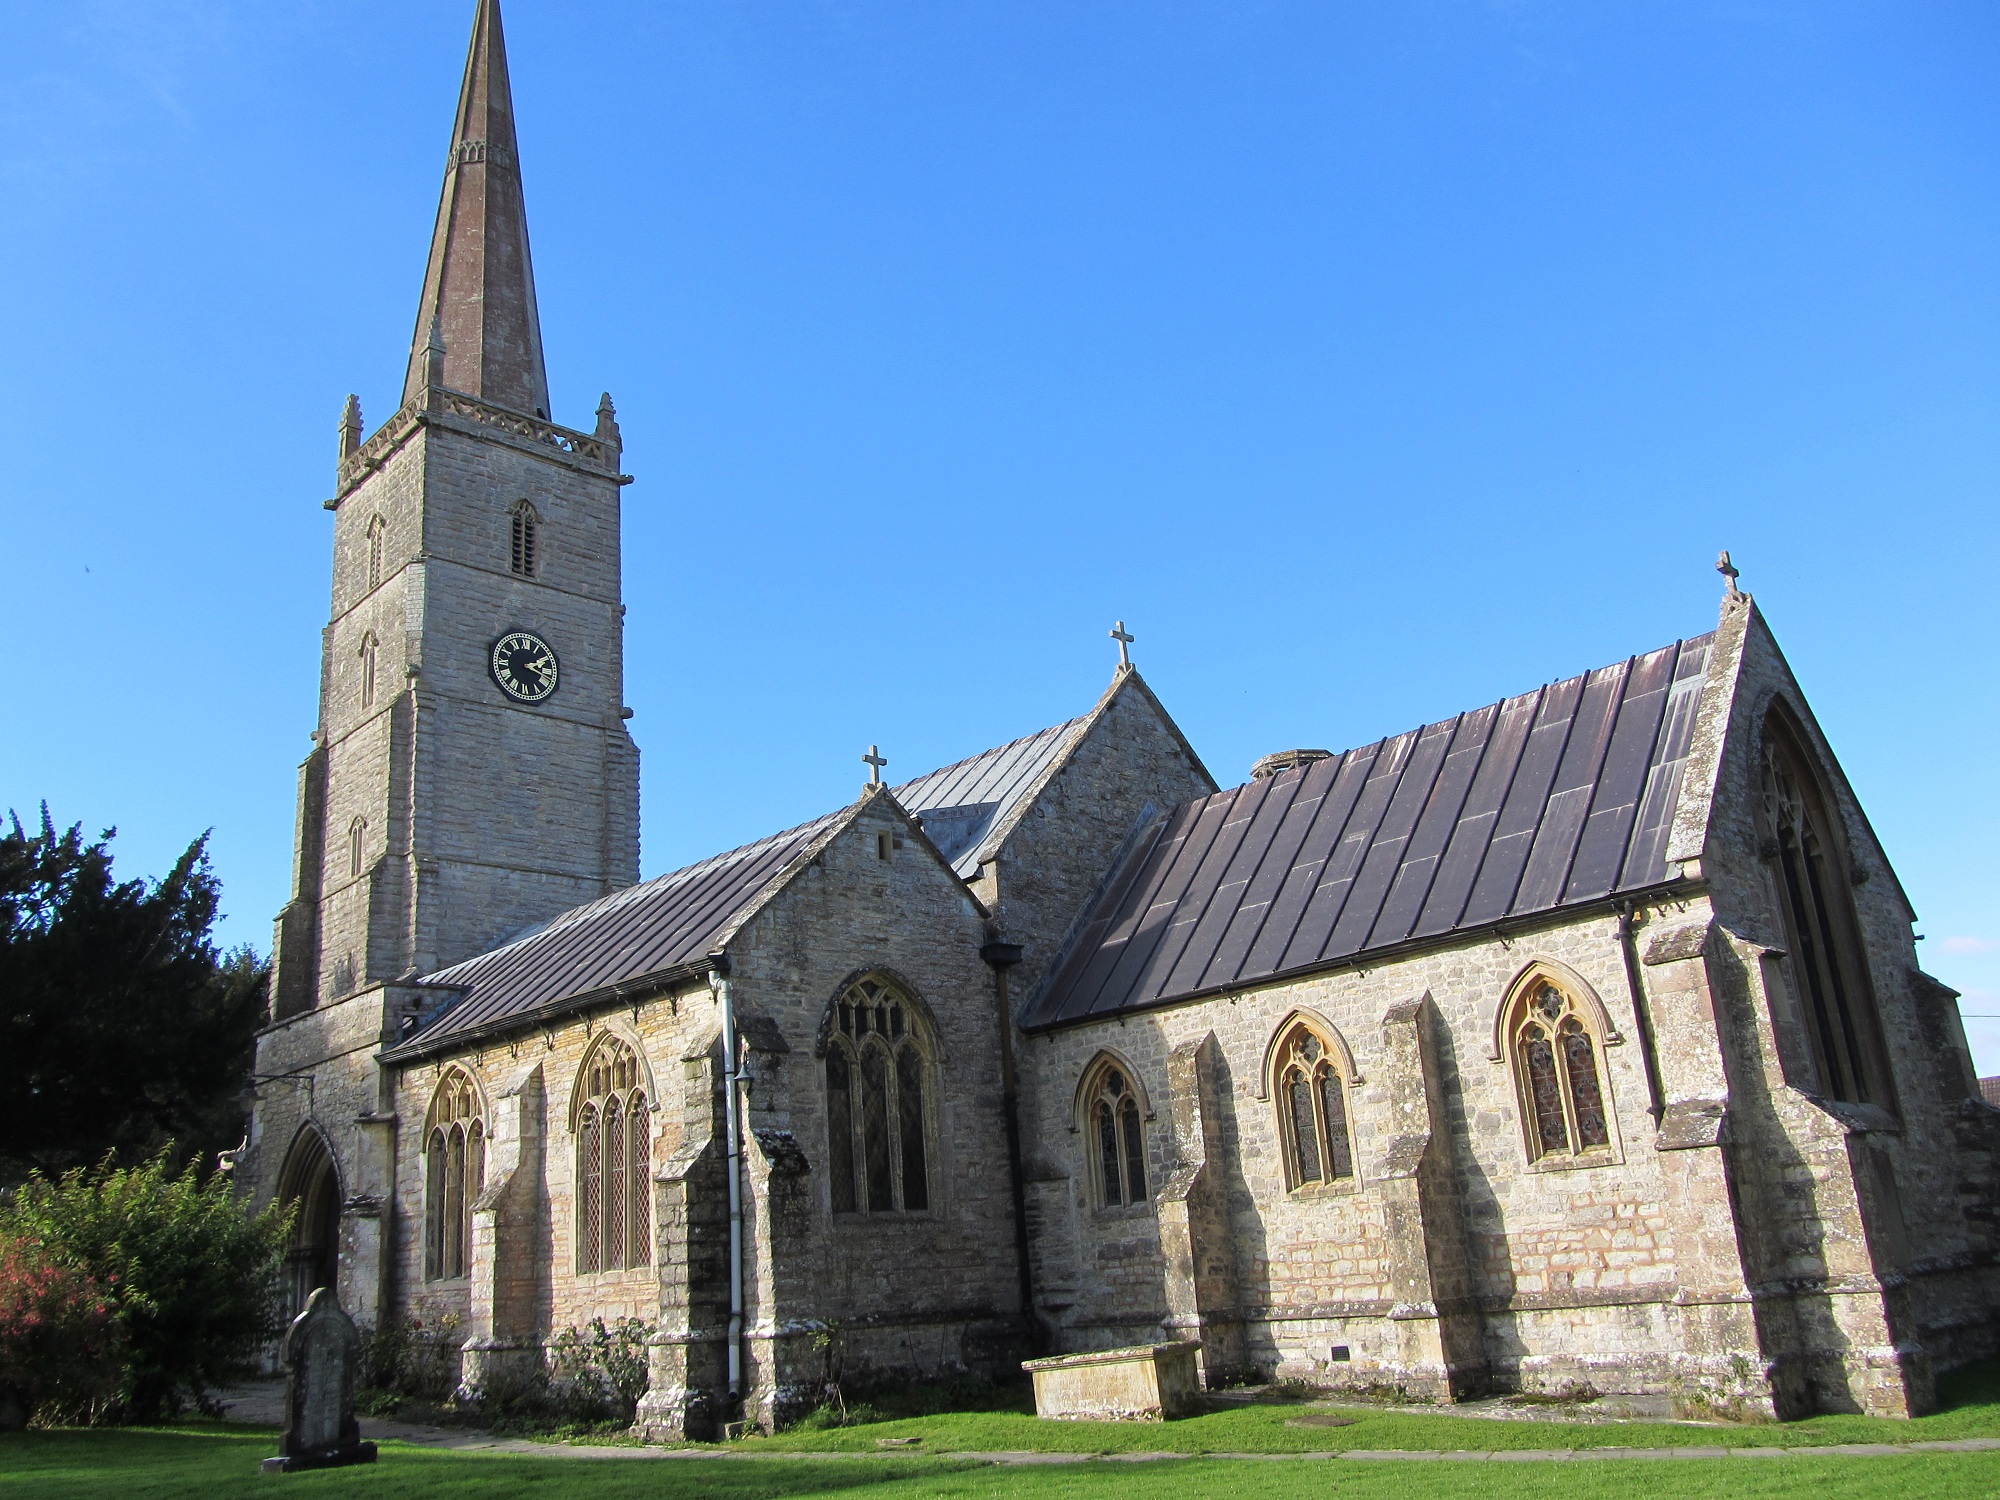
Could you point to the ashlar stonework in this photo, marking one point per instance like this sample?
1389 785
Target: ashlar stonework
1577 1040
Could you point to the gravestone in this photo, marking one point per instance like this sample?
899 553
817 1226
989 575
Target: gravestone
322 1354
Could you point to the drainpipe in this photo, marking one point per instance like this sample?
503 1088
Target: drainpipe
1649 1049
1002 957
732 1076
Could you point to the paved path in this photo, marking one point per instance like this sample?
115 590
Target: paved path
264 1403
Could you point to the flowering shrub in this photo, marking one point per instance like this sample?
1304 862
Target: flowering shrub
601 1368
61 1352
190 1271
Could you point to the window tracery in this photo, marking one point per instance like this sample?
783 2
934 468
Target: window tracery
614 1161
1116 1131
454 1172
878 1090
524 539
1824 945
1557 1064
1311 1093
357 840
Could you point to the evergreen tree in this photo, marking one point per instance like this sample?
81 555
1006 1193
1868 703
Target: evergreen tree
122 1027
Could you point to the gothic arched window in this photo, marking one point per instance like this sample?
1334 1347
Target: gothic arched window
1313 1117
376 527
523 536
357 841
1558 1072
368 653
614 1162
454 1171
878 1089
1824 945
1115 1129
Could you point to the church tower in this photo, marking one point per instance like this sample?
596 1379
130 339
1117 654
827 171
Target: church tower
471 774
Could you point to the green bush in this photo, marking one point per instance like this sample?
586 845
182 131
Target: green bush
412 1358
193 1274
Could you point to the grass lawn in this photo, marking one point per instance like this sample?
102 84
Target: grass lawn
210 1462
1970 1408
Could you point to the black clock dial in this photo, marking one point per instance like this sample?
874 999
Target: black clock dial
524 667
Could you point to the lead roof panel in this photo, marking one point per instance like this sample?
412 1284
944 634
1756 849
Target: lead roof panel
676 919
1554 798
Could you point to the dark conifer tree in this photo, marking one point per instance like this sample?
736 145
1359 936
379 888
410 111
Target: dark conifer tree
122 1026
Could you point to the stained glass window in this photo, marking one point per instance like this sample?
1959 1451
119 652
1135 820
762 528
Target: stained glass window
1562 1086
878 1144
1319 1147
614 1163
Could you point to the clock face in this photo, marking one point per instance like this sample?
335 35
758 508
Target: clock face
524 666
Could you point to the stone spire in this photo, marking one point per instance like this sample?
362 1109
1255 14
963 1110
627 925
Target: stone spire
479 289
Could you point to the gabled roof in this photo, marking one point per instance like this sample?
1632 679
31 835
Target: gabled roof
669 925
1559 797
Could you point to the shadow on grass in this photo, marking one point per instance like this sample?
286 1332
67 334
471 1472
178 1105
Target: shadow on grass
1971 1408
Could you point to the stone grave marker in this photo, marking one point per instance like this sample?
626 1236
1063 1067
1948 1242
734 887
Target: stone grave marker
1147 1383
322 1354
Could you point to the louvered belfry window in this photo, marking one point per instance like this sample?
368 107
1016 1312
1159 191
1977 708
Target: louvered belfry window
878 1101
524 539
1557 1057
1117 1136
1312 1110
454 1171
614 1163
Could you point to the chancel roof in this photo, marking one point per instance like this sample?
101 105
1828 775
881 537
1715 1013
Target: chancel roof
632 940
1556 798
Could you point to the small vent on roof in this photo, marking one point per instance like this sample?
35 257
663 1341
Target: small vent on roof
1286 760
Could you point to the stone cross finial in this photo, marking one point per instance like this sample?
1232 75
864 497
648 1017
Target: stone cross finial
1118 634
875 760
350 427
1728 570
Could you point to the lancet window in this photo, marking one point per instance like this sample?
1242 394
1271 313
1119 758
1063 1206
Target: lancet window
614 1163
1116 1130
357 841
454 1171
376 528
524 539
878 1090
1313 1118
1558 1071
1823 944
368 655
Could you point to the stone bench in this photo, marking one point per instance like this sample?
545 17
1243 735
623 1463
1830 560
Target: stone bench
1146 1383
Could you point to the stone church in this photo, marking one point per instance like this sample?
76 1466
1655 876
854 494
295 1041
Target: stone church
1576 1040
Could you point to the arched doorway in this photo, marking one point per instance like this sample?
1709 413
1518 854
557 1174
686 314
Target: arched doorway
310 1183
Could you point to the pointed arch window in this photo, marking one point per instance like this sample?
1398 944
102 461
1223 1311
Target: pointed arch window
614 1162
368 655
357 846
524 539
879 1086
1823 940
1559 1074
1115 1128
1314 1121
454 1172
377 527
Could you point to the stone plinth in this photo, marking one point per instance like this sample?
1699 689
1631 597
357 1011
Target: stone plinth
1147 1383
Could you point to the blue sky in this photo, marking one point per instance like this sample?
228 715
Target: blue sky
1372 361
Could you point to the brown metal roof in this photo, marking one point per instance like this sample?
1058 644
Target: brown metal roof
1558 797
670 924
